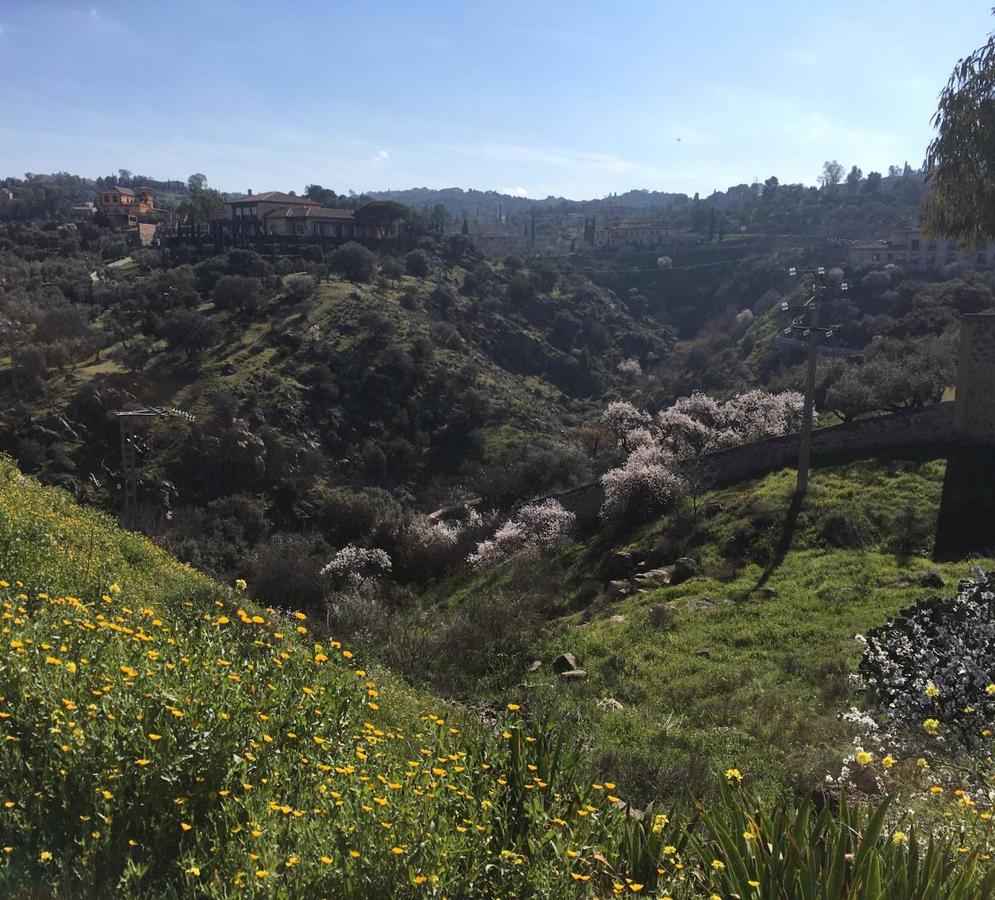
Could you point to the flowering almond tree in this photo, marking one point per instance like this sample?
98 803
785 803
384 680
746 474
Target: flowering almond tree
621 419
666 453
642 488
353 565
535 529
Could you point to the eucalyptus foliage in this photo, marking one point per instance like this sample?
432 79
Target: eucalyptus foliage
961 158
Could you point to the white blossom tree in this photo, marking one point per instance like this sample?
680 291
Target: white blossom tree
642 488
354 565
666 455
621 418
534 530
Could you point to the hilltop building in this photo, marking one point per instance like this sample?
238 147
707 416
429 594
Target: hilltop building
632 233
125 209
914 249
133 212
285 215
248 213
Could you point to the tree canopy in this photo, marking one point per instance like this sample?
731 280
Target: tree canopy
961 158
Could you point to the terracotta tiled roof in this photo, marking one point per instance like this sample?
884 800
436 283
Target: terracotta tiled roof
122 190
309 212
275 197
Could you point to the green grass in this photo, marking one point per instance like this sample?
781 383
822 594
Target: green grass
161 736
753 682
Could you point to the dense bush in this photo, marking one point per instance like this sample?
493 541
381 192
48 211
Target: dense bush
417 263
353 262
299 287
238 292
289 566
932 669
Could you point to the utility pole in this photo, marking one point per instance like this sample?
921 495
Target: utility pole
13 332
129 463
806 323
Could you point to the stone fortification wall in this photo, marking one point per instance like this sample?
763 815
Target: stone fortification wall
969 420
931 425
974 406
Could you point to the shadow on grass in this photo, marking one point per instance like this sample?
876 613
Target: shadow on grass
965 525
784 542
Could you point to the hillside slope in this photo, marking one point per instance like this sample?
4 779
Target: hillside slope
161 736
747 661
466 380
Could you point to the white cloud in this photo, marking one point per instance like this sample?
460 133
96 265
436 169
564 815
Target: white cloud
93 13
380 156
515 191
492 151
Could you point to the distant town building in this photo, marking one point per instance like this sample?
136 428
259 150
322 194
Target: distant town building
284 215
632 233
83 211
125 209
248 213
914 249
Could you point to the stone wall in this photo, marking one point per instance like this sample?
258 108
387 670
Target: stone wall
974 406
969 420
932 425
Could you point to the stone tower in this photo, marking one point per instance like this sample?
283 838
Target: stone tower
974 405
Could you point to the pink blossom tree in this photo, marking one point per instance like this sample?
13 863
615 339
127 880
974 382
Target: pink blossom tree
534 530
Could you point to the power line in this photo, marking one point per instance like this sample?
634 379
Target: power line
722 262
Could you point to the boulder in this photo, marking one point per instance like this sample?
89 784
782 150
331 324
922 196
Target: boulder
704 653
618 619
657 576
610 704
931 579
565 662
661 615
685 568
700 603
535 665
619 564
573 675
619 588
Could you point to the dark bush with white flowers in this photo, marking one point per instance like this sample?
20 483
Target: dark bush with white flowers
933 668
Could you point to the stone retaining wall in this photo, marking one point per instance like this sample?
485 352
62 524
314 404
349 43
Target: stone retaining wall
931 425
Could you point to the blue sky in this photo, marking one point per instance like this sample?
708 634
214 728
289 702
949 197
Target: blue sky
573 98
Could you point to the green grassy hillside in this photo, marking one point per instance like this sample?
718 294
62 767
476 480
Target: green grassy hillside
162 736
749 661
